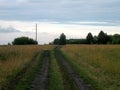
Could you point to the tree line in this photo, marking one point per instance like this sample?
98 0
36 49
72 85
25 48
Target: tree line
102 38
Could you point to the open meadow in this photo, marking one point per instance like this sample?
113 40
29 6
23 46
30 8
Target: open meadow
98 65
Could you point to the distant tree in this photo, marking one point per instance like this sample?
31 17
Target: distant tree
110 37
102 38
90 38
24 41
56 41
9 43
76 41
62 39
95 39
116 39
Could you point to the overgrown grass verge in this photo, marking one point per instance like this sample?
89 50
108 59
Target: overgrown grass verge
15 59
98 65
55 77
92 84
26 81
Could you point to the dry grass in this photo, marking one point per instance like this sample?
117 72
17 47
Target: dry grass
14 58
101 63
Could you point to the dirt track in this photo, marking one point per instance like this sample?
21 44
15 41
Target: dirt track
78 82
40 82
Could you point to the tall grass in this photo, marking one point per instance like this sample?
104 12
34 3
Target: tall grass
14 58
26 81
96 63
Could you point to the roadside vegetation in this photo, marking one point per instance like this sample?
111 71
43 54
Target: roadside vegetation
14 58
98 65
26 81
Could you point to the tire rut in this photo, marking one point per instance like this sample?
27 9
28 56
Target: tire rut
78 82
41 80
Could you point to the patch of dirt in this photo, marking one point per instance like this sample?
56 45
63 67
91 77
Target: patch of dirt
41 79
79 84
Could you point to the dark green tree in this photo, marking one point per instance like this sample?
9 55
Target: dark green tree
62 39
116 39
110 37
56 41
76 41
102 38
90 38
95 39
24 41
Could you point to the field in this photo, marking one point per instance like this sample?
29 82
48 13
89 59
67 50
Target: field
97 64
69 67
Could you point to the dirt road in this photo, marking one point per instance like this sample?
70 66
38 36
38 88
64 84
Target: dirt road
41 80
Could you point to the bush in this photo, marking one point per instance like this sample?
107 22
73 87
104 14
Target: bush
24 41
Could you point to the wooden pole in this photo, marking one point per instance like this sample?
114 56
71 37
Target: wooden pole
36 32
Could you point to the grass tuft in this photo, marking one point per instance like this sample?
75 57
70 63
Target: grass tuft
55 77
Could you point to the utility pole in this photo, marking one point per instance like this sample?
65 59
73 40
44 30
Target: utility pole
36 33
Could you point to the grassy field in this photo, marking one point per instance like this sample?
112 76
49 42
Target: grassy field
98 64
15 58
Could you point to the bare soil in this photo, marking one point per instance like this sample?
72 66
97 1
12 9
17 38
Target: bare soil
41 79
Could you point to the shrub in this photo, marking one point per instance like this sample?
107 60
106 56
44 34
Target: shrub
24 41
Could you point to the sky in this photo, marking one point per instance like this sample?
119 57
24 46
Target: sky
75 18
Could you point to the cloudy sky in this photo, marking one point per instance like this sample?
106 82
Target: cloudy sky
75 18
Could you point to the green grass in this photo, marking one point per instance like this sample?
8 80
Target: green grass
98 65
55 76
26 82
